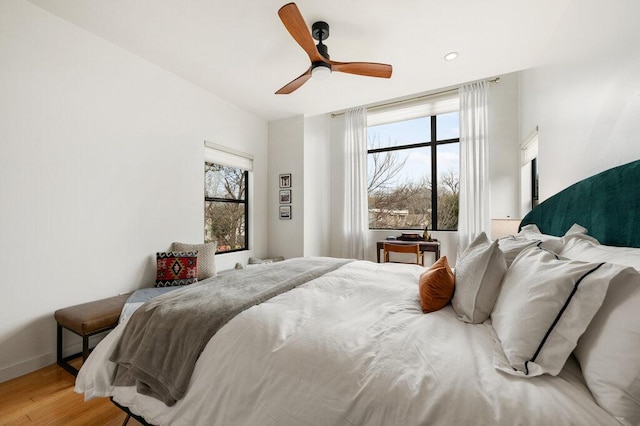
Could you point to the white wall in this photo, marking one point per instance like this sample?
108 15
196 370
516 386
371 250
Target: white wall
101 163
300 146
336 185
504 152
586 98
317 171
286 155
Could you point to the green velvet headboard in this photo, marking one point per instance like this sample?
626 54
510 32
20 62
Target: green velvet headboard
607 204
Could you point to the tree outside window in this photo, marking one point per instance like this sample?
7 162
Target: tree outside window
226 207
413 173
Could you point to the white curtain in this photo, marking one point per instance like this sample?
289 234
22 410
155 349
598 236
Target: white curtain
355 219
475 204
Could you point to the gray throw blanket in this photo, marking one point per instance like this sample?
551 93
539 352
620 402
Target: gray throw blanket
164 338
142 296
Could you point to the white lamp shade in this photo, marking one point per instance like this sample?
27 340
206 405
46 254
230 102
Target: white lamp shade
504 227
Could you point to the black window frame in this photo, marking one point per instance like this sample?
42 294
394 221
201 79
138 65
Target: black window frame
534 183
433 145
234 201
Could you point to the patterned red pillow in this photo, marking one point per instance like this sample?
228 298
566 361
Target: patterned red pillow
176 268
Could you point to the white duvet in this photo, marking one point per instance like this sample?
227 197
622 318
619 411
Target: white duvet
353 348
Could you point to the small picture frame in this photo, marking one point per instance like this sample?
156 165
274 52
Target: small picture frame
285 212
285 180
285 196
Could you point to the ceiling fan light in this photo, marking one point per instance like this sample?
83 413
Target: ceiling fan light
321 71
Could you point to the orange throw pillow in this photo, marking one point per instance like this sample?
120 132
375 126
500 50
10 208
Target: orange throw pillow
436 286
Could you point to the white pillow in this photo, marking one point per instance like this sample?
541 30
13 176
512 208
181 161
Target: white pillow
585 248
531 231
206 257
479 272
576 229
609 351
551 242
512 245
545 304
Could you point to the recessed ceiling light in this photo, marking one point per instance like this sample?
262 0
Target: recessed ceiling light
450 56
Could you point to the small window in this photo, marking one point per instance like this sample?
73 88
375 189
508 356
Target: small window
226 197
225 207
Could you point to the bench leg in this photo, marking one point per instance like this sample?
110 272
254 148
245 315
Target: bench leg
59 347
64 361
85 348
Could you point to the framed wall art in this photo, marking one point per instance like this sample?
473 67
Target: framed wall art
285 196
285 180
285 212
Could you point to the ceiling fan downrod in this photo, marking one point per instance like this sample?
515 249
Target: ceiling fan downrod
320 32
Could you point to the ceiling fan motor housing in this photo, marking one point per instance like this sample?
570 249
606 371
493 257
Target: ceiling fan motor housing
320 69
320 30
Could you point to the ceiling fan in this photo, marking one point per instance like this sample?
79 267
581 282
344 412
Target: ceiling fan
321 65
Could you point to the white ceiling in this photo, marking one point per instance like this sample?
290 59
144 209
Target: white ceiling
240 50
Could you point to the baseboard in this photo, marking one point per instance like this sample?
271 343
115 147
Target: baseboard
73 344
27 366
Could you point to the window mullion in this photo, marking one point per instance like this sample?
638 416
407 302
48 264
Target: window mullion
224 200
398 148
434 176
246 210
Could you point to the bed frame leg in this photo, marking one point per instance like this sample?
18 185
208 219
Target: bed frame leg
140 419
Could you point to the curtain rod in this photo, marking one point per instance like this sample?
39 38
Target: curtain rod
417 98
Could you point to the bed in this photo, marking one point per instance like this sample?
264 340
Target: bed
352 346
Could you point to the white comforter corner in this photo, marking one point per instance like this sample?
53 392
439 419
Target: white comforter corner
353 348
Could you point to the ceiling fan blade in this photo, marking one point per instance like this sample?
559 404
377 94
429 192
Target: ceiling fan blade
370 69
294 23
295 84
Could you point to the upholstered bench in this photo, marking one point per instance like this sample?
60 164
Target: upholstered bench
86 320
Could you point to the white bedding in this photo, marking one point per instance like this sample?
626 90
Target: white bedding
353 348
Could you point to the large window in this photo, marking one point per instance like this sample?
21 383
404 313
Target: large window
225 207
413 173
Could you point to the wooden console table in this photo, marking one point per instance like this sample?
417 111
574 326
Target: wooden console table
430 246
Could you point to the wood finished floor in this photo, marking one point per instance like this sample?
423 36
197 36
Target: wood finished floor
46 397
